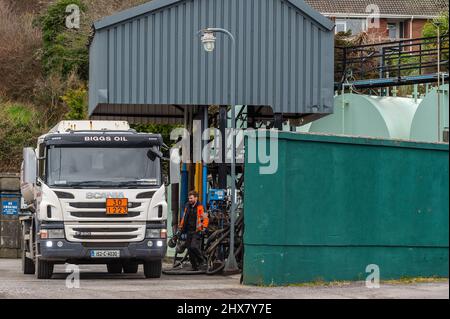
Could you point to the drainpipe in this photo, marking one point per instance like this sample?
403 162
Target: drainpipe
411 32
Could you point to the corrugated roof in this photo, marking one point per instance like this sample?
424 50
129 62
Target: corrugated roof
387 7
159 4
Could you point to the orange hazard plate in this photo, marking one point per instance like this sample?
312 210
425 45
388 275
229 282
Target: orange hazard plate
116 206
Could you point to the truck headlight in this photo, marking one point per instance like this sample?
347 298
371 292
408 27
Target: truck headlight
52 233
156 233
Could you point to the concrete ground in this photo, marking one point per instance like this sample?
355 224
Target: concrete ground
96 283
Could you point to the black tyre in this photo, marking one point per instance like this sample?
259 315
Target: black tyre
27 265
153 269
114 268
130 267
44 269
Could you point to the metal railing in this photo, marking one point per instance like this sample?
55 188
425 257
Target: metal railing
412 58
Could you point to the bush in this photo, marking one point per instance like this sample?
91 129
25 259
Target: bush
30 6
20 125
19 63
76 102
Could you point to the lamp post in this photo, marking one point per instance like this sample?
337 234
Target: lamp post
209 40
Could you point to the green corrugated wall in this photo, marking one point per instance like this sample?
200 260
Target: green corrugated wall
338 204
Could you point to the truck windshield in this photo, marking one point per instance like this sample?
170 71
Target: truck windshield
102 167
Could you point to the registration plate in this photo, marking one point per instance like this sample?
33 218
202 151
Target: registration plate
105 253
116 206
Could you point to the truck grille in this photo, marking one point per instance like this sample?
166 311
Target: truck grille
105 233
101 214
78 210
101 237
97 205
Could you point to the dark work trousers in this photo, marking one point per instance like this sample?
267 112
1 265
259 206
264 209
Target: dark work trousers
193 244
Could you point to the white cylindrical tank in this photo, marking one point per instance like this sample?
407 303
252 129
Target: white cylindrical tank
370 116
424 126
28 175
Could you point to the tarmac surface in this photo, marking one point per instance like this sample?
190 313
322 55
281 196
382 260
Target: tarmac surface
96 283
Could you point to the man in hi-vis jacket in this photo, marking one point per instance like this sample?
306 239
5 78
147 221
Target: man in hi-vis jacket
194 224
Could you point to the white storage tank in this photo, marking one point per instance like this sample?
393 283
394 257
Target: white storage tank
424 126
370 116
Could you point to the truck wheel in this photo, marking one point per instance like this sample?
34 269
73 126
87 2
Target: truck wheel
153 268
114 268
44 269
130 267
27 265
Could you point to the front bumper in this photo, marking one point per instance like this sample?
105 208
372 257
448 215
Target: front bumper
62 251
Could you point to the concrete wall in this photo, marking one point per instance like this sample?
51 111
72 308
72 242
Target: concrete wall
339 204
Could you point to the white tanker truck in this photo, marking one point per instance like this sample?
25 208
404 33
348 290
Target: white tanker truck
93 193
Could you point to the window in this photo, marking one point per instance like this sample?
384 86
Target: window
341 26
41 161
402 30
393 31
396 30
106 166
355 25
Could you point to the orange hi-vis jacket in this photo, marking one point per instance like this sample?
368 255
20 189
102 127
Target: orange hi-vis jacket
202 218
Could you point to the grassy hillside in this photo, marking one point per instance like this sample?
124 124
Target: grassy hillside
43 68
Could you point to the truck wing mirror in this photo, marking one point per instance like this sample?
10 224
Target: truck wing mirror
154 154
29 166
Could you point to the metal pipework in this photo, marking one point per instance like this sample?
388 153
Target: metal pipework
205 165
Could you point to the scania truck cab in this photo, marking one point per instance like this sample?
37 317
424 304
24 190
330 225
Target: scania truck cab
93 193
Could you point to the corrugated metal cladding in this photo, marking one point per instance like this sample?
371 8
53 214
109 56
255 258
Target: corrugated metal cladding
152 55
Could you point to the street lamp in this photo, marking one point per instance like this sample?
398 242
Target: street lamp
208 41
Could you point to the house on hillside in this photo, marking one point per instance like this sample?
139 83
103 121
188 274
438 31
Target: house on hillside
398 19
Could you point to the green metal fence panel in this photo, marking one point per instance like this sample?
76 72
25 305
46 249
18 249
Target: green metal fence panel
338 204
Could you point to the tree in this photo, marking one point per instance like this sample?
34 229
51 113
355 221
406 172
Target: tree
430 28
64 50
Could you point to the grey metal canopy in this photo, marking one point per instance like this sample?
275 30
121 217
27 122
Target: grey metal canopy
147 63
